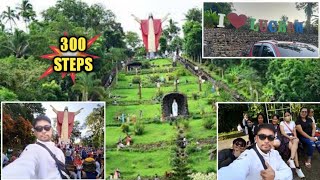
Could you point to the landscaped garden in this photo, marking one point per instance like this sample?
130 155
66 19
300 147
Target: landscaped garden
152 152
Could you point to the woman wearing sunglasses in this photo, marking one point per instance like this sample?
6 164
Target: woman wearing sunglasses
35 162
306 133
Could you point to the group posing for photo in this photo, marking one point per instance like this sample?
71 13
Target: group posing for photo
282 142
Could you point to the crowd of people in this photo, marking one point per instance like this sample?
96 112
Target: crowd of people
48 160
84 162
282 138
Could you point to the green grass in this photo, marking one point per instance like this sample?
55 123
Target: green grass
197 131
155 162
201 162
148 111
150 93
152 133
152 111
161 62
127 80
133 163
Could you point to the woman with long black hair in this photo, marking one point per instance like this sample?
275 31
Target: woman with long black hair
306 134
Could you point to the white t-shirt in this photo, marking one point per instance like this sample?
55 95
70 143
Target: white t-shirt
248 166
291 125
35 162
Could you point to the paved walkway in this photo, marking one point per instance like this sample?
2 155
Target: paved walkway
191 67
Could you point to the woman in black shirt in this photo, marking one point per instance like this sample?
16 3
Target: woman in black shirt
306 133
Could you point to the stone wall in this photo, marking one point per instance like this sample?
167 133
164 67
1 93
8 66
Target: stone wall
221 42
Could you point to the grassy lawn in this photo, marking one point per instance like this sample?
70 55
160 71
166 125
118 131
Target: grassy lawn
200 161
148 111
158 132
151 111
126 80
149 93
144 163
197 131
155 162
153 133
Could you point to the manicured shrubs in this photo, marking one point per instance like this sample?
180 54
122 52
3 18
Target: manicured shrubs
138 128
136 80
208 123
125 128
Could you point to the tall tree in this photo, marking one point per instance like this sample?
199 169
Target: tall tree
176 44
117 55
76 133
25 110
17 44
88 86
224 8
17 131
194 14
132 39
192 43
173 29
180 161
95 123
309 8
10 15
1 24
26 12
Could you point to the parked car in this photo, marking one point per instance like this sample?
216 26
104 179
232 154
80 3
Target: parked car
272 48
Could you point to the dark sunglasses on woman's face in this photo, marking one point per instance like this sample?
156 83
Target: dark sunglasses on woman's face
262 137
40 128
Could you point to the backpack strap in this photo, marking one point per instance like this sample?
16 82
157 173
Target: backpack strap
260 157
285 123
63 173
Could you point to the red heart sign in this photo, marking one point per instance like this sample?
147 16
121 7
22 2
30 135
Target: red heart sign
237 21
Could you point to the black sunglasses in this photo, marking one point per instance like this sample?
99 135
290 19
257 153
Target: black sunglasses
40 128
263 137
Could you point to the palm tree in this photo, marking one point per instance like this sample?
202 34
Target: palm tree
10 15
88 86
1 24
308 9
17 44
26 12
173 29
194 14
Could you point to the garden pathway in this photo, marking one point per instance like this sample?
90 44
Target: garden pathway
191 67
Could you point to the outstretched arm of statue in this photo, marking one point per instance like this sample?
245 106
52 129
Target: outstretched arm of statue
78 111
136 18
54 109
165 18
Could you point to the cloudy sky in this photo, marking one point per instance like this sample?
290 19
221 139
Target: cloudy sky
270 11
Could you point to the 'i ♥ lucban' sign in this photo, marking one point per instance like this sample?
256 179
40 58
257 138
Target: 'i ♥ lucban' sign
263 25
